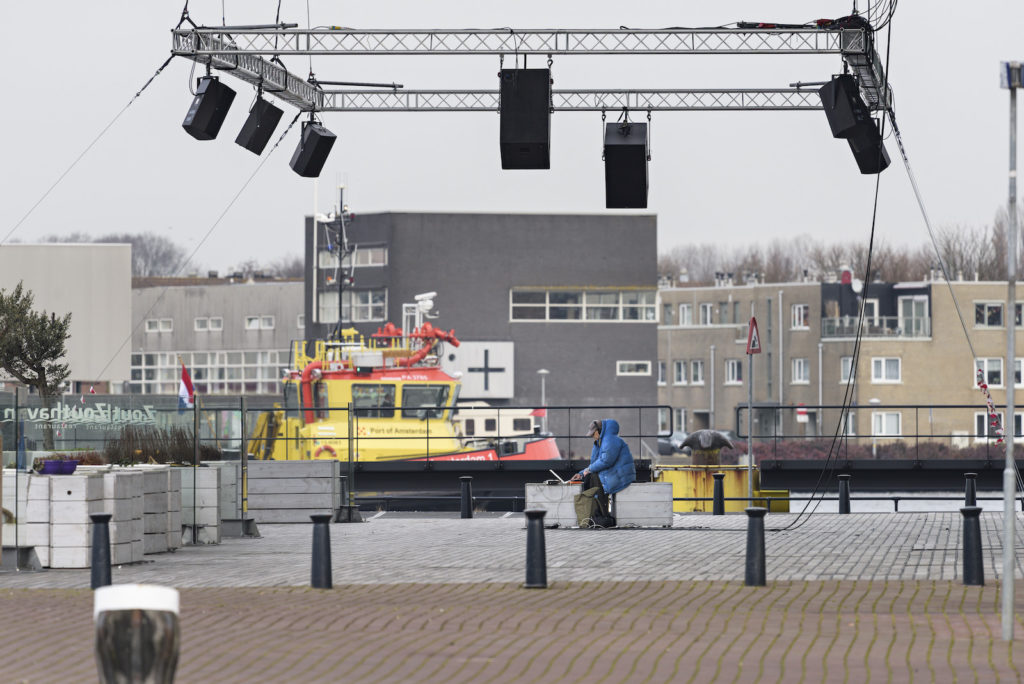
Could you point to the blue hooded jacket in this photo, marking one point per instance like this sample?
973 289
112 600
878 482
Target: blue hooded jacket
612 460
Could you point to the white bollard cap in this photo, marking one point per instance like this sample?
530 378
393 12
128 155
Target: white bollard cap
134 597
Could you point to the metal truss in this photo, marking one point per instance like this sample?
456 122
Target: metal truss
243 52
572 100
338 41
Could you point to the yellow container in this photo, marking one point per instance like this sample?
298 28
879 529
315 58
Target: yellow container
697 481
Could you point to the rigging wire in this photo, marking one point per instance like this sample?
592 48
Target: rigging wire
187 260
85 151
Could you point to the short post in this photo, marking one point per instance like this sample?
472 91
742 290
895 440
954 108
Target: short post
970 489
844 494
974 573
100 561
536 558
755 574
321 572
466 482
718 503
137 633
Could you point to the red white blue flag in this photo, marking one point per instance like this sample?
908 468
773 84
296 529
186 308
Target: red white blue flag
186 395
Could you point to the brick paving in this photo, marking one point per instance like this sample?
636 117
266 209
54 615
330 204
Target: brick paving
864 597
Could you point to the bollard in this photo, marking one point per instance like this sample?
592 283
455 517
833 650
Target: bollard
718 503
467 496
755 575
970 489
100 562
536 558
974 573
137 633
321 572
844 494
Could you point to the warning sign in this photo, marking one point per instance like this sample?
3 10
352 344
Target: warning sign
753 337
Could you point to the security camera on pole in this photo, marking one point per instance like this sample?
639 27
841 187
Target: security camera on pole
753 347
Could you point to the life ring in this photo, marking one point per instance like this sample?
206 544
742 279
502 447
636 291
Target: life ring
325 447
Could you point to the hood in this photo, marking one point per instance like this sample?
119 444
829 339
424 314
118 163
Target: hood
609 427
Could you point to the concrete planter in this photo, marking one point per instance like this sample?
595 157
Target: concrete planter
291 491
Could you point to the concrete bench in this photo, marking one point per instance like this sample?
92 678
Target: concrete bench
644 504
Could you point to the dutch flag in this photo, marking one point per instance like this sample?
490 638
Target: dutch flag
186 395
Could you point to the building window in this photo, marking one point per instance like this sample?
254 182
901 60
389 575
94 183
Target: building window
266 322
845 368
988 314
697 372
357 306
679 373
680 419
159 325
707 312
300 322
216 323
800 316
221 372
801 372
992 371
633 368
733 372
661 372
252 322
664 414
558 305
848 423
1016 375
201 324
666 314
886 424
1017 308
366 256
686 314
983 428
885 370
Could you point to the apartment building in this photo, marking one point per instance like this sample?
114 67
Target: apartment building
914 356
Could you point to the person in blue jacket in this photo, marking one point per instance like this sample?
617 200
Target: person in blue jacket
610 461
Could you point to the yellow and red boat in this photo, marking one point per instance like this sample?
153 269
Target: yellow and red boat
382 399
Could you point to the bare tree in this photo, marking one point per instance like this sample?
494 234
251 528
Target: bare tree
152 254
289 266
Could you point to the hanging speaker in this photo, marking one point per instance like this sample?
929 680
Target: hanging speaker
625 166
868 149
209 107
311 154
843 106
256 132
525 111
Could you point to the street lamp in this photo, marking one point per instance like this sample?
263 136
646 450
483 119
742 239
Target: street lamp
543 373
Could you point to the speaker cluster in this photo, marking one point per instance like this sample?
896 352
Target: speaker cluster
210 107
850 118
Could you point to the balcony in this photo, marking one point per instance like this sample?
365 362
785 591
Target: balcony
879 326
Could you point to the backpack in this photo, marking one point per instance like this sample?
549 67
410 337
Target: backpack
590 512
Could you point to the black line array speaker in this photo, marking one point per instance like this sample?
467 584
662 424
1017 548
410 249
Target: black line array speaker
868 149
625 166
525 126
209 107
256 132
845 109
311 154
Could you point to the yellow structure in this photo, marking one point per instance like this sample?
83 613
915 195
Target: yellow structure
697 481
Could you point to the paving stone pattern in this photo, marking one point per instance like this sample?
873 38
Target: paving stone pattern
856 598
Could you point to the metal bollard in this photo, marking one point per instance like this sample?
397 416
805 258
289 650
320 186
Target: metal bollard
467 495
974 573
718 502
536 557
321 573
100 561
137 633
755 574
844 494
970 489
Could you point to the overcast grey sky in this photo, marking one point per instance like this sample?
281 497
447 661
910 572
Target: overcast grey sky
735 177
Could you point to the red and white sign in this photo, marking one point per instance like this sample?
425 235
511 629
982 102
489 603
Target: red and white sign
753 337
801 413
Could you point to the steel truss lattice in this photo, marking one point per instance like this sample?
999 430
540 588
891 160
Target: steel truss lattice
571 100
243 54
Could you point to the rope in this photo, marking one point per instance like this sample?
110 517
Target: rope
84 152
